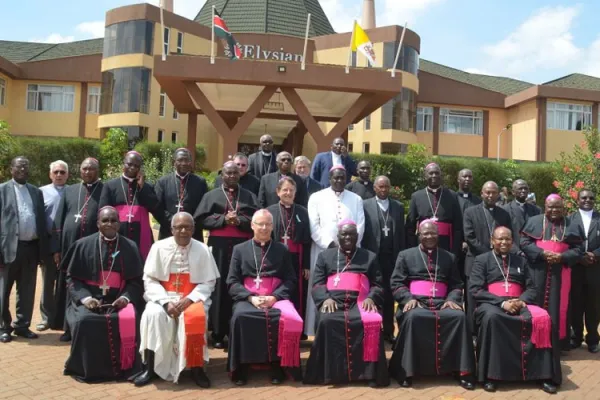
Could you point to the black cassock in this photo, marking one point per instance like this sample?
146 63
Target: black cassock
76 217
210 215
255 333
133 204
363 189
248 182
505 351
443 205
100 349
267 194
345 347
173 190
519 215
260 165
293 223
432 341
465 200
552 282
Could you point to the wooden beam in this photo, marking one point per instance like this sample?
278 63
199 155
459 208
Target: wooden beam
209 110
299 139
245 120
305 116
283 117
192 126
354 111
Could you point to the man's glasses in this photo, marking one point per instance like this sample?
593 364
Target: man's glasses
241 165
587 198
59 172
285 159
180 228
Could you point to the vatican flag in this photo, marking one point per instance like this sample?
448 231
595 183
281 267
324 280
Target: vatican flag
362 43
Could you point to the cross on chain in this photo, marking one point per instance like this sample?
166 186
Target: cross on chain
336 280
104 288
506 286
179 207
129 216
386 231
285 239
433 290
77 217
257 281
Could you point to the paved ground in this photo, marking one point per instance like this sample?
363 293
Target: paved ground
33 370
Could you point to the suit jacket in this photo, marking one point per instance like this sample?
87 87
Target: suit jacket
323 163
267 194
313 186
518 218
256 166
9 222
372 236
591 241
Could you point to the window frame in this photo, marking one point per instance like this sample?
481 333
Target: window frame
3 91
167 39
447 113
98 97
585 111
367 123
174 136
160 136
162 104
63 93
179 42
366 147
422 113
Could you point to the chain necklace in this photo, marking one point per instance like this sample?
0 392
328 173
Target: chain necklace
434 277
285 236
337 278
257 280
130 206
237 200
80 209
505 273
487 222
434 217
181 193
104 286
554 238
385 217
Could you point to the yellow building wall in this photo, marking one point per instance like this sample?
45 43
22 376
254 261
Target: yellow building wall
498 119
455 144
524 130
127 61
558 141
426 138
5 109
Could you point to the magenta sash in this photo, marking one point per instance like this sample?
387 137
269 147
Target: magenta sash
140 215
290 322
127 336
425 288
230 231
565 287
372 321
541 323
114 280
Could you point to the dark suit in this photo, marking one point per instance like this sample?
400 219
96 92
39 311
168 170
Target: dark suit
323 163
519 216
267 194
20 258
311 185
372 240
256 164
585 283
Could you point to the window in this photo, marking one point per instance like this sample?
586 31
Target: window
175 113
50 98
350 147
353 59
351 127
424 119
167 36
366 148
135 134
368 122
408 60
161 134
179 42
2 92
125 90
129 37
174 137
93 100
568 117
400 112
461 121
162 106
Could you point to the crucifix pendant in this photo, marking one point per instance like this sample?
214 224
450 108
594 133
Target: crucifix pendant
285 239
506 286
386 231
433 290
257 282
336 280
104 287
77 217
434 219
554 238
177 284
179 207
129 216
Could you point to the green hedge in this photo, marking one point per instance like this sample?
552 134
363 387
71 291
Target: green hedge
150 150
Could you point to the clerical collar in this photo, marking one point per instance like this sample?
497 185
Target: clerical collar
365 182
181 176
186 247
425 250
500 255
464 194
519 203
230 189
266 154
19 185
91 184
432 190
128 179
384 201
261 244
104 238
285 205
588 213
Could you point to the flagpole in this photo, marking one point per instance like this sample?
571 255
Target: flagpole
162 30
350 48
399 50
303 66
212 38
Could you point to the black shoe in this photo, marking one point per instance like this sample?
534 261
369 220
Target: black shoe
148 375
490 386
406 383
65 337
200 378
5 338
574 344
303 337
240 376
467 384
26 333
240 382
373 384
549 387
42 327
389 338
593 348
218 345
277 375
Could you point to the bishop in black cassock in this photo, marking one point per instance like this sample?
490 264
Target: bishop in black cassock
439 204
180 191
267 195
134 199
76 217
263 161
363 185
225 212
104 277
465 199
247 180
519 209
434 335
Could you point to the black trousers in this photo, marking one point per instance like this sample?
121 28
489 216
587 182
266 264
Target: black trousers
585 303
48 302
23 271
386 261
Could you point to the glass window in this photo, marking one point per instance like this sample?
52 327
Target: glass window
366 148
2 92
400 112
174 137
353 59
161 135
424 119
125 90
128 37
167 36
162 104
568 117
93 100
179 42
408 60
461 121
351 127
368 123
350 147
50 98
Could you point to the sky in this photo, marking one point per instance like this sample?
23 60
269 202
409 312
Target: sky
532 40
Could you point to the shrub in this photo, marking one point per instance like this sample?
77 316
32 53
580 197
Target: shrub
160 150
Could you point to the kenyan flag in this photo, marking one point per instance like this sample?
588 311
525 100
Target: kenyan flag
233 50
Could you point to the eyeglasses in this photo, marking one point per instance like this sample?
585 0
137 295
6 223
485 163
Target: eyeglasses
241 165
285 159
264 225
182 227
59 172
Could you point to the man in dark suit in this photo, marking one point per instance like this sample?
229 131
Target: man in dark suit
585 278
263 161
363 186
466 199
23 243
302 169
267 194
384 236
337 156
520 211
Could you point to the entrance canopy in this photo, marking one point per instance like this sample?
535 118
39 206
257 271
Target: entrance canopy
240 97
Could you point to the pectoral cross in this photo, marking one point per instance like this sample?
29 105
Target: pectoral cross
77 217
336 280
104 287
554 238
433 290
257 281
129 216
177 284
179 206
285 239
506 286
386 231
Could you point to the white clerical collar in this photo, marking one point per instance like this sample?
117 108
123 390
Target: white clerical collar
586 213
181 176
466 195
107 239
433 190
90 184
19 185
338 194
519 203
266 154
385 201
128 179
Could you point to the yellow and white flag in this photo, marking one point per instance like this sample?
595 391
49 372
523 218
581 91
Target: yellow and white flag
362 43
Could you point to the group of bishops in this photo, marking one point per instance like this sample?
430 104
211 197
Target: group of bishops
483 292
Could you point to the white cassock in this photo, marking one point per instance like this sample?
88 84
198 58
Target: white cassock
159 332
325 210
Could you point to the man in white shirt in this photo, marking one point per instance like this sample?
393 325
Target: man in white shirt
325 161
179 276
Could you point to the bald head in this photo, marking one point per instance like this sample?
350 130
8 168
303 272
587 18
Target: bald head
520 190
490 194
433 175
382 187
108 222
266 144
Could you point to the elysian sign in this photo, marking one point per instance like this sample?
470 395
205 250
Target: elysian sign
258 53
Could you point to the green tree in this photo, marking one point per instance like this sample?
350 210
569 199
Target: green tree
112 149
7 148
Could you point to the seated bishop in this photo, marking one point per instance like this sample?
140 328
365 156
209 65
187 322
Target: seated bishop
179 276
265 326
434 337
348 292
514 339
104 278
